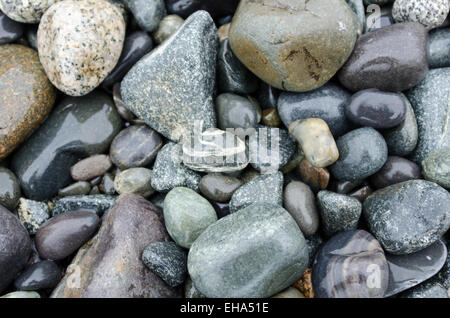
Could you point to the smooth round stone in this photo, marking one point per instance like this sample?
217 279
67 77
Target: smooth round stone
362 193
293 61
377 109
21 294
299 201
135 46
395 170
402 139
267 96
234 111
431 105
9 189
27 95
431 14
167 260
439 48
63 234
316 141
345 187
147 14
185 8
351 264
218 187
135 146
316 178
77 188
290 292
186 215
379 59
15 246
266 188
25 11
168 26
79 43
96 203
41 275
10 30
134 180
90 167
338 212
362 153
327 102
409 216
232 75
436 167
107 184
270 117
32 214
266 243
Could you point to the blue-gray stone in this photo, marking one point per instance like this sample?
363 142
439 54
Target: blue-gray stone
357 7
439 48
430 289
98 203
147 13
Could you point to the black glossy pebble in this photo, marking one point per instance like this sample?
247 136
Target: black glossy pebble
41 275
395 170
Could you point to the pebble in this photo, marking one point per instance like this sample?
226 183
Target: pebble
439 48
77 188
10 30
167 27
223 31
271 118
266 243
218 187
402 140
111 262
362 153
338 212
222 209
235 111
65 233
126 114
147 14
9 189
187 214
96 203
232 75
31 36
167 260
168 100
362 193
316 141
79 43
266 188
77 128
299 201
436 167
377 109
316 178
27 95
15 246
359 10
409 216
41 275
395 170
107 184
299 61
90 167
22 294
379 60
351 264
345 187
185 8
327 102
32 214
25 11
430 100
134 180
430 14
267 96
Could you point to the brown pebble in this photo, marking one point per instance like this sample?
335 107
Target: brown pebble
361 194
223 31
271 118
90 167
304 284
316 178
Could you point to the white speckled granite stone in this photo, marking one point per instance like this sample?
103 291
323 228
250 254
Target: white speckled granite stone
79 43
430 13
25 11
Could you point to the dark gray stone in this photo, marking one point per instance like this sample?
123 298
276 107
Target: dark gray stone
439 48
41 275
9 189
77 188
234 111
395 170
219 187
147 14
134 180
107 184
10 30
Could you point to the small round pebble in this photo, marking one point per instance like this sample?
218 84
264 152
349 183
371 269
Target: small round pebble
134 180
41 275
90 167
219 187
168 26
395 170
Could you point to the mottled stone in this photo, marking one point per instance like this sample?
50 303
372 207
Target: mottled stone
171 87
10 30
41 275
134 180
147 14
107 184
9 189
436 167
77 128
379 59
316 178
96 203
219 187
187 214
185 8
338 212
167 260
266 243
32 214
299 61
431 102
431 14
270 117
351 264
427 290
27 95
362 152
77 188
167 27
299 201
327 102
395 170
25 11
266 188
439 48
409 216
110 265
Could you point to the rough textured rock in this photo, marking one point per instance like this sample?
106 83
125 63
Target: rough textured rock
430 14
97 203
32 214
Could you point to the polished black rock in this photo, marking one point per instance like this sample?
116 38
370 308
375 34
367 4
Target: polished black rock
267 96
10 30
395 170
185 8
41 275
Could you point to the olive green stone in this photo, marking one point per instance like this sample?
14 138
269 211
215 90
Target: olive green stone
436 167
134 180
77 188
168 26
9 189
271 118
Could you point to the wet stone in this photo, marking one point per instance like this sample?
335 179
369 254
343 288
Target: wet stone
395 170
362 193
32 214
77 188
234 111
96 203
439 48
9 189
219 187
107 184
10 30
436 167
90 167
267 96
316 178
41 275
134 180
167 27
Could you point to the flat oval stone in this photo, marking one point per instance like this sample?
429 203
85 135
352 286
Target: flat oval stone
15 246
436 167
41 275
9 189
266 243
77 128
10 30
351 264
79 43
25 11
430 14
185 8
219 187
167 27
299 201
90 167
439 48
96 203
134 180
316 178
147 14
377 109
409 216
63 234
362 153
234 111
28 95
395 170
379 59
77 188
186 215
294 61
32 214
327 102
